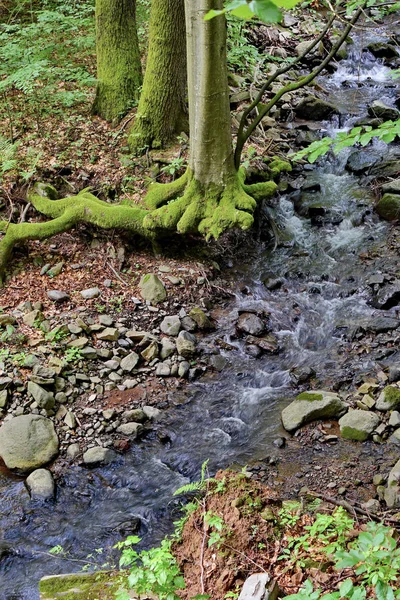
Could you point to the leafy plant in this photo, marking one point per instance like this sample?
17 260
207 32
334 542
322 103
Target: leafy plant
174 167
217 526
72 355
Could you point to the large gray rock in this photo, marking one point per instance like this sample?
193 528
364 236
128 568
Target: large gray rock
389 398
391 187
358 425
43 398
40 484
186 344
90 293
171 325
250 323
314 109
128 363
98 456
382 111
28 442
168 347
57 295
310 406
152 289
388 207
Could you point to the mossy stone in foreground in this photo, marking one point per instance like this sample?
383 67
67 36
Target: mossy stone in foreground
88 586
357 425
389 398
388 207
310 406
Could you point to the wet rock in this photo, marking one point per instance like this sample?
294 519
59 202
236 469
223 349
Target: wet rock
267 343
382 111
358 425
90 293
389 398
43 398
388 207
171 325
152 289
310 406
391 187
98 456
383 50
387 296
253 350
218 362
28 442
186 344
250 323
360 161
40 484
314 109
201 319
128 363
381 324
302 374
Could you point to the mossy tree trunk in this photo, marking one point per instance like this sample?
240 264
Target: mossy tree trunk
162 110
119 71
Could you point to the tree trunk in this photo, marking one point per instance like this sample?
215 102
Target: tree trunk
119 71
162 111
211 155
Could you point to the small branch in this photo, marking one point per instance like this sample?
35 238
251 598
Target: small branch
117 274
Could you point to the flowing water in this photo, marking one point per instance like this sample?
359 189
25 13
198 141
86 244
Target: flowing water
235 416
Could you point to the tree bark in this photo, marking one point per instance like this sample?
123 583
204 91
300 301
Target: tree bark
119 71
211 155
162 110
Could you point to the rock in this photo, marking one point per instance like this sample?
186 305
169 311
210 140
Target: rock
184 368
98 456
106 320
267 343
44 398
70 420
250 323
151 412
7 320
188 324
218 362
186 344
358 425
152 289
310 406
73 451
388 207
371 505
389 398
55 270
360 161
5 382
136 414
90 293
381 324
201 319
387 296
382 111
391 187
394 420
259 587
3 398
128 363
302 374
392 490
28 442
40 484
383 50
151 352
33 318
163 370
57 295
131 429
171 325
314 109
109 334
168 347
394 373
44 372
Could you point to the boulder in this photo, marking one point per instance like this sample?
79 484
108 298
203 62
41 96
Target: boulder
128 363
109 334
358 425
98 456
28 442
310 406
314 109
388 207
171 325
250 323
200 318
391 187
382 111
152 289
186 344
43 398
383 50
389 398
90 293
40 484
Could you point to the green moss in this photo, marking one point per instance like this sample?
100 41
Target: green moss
392 395
310 396
349 433
277 166
88 586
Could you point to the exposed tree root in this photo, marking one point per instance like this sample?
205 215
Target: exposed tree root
188 207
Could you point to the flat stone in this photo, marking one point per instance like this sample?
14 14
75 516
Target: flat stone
43 398
80 342
151 352
28 442
311 406
88 352
250 323
152 289
40 484
131 429
74 328
57 295
90 293
33 318
128 363
171 325
389 398
136 336
358 425
163 370
394 420
109 334
98 456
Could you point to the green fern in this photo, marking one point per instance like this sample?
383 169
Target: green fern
195 486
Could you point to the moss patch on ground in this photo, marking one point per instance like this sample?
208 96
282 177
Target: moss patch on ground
88 586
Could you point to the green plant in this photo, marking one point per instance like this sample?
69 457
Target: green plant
175 166
218 529
7 334
151 571
72 355
289 514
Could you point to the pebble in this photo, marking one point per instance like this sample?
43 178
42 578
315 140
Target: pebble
57 295
90 293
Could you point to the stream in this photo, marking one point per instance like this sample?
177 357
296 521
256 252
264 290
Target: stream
232 417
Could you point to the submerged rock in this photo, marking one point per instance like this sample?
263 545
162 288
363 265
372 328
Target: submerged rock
358 425
310 406
28 442
250 323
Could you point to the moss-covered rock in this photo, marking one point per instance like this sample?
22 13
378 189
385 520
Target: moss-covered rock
310 406
389 398
88 586
358 425
388 207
